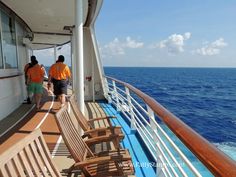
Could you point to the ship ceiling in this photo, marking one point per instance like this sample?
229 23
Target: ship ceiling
47 19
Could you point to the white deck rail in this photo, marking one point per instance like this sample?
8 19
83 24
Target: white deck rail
169 158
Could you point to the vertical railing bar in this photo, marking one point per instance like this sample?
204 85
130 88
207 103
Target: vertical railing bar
151 143
145 134
185 159
139 106
116 95
139 121
155 139
141 116
133 127
170 154
117 98
162 169
147 145
166 159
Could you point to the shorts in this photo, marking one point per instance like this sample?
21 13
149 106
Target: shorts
59 87
35 88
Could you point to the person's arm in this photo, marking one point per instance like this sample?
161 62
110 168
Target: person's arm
50 75
68 73
28 77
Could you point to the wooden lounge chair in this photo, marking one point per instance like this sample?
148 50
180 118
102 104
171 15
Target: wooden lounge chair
29 157
109 163
90 130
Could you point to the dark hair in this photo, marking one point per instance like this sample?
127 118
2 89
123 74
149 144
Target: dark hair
34 62
33 58
61 58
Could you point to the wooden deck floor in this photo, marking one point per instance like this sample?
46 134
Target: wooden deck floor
45 120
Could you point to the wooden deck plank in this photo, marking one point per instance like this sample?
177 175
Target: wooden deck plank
48 126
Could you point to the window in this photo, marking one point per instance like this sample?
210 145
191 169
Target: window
8 41
1 58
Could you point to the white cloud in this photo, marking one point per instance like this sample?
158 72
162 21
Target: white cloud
213 48
173 43
117 47
187 35
132 43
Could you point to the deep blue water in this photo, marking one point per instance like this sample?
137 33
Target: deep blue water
204 98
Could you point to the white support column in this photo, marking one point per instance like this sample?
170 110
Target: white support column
55 54
93 84
73 62
79 52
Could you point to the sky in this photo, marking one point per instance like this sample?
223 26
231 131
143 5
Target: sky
166 33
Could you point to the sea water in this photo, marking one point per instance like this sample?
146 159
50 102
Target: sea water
204 98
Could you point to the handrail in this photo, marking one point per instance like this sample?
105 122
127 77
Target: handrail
215 160
9 76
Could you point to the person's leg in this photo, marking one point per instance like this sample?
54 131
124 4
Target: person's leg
38 97
63 99
38 94
63 92
30 91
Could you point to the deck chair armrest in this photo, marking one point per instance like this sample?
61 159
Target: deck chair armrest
101 160
101 118
93 131
90 121
101 129
100 139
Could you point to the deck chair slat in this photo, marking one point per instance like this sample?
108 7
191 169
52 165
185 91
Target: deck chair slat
82 120
97 127
44 157
3 171
83 123
28 157
25 163
32 161
67 131
11 168
18 164
52 166
72 133
38 158
71 139
90 164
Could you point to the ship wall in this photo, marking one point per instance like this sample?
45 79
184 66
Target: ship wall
92 81
13 57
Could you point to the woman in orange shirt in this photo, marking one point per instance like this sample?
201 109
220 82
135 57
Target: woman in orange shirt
35 80
59 73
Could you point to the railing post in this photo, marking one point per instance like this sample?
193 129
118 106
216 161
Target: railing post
107 91
133 126
116 96
159 165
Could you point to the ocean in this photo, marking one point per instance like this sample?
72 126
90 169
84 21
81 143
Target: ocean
204 98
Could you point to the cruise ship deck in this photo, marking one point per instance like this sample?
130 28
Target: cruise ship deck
45 120
28 26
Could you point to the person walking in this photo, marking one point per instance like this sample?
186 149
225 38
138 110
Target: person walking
35 76
26 68
59 74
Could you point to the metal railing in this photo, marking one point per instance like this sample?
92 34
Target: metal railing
170 159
